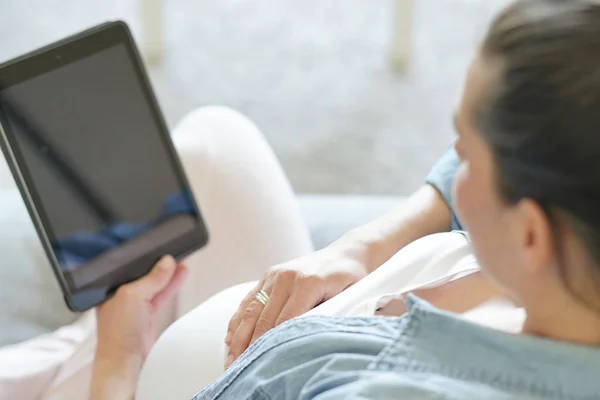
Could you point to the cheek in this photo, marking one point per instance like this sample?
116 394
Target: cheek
481 214
468 197
475 208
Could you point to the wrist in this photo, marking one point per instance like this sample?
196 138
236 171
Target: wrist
357 246
354 247
114 377
116 357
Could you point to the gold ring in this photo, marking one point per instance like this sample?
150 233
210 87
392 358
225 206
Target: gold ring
262 297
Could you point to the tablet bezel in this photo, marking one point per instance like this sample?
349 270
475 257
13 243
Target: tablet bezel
49 58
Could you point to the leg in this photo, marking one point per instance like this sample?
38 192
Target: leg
402 29
248 204
254 223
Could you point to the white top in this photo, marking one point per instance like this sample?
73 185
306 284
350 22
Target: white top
429 262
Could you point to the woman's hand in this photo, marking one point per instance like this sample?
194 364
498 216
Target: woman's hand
293 288
126 329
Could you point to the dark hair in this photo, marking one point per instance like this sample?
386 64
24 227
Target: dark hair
542 119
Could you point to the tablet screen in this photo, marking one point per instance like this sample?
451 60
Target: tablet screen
104 178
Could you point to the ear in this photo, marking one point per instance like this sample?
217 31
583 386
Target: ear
535 236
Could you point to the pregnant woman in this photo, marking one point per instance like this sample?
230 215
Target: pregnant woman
527 190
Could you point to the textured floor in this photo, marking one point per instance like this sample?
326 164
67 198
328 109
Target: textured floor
313 74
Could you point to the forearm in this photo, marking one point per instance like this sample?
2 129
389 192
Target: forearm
113 380
424 213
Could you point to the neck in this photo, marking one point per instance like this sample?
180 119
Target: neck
568 321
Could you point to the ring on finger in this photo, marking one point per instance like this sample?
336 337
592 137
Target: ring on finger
262 297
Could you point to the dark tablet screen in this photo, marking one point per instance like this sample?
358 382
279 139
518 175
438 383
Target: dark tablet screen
104 178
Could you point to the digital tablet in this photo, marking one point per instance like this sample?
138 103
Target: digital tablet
90 151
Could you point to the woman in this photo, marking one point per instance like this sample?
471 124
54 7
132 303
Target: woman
528 193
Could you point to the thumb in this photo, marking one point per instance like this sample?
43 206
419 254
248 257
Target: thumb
157 279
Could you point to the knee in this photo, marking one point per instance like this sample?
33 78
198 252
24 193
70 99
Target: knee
212 114
219 122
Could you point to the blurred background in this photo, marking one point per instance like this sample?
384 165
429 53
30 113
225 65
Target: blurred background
315 75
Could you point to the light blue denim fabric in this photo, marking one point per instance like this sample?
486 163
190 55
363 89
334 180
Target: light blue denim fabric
441 177
426 354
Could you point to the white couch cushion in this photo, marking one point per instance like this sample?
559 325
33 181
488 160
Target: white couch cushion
31 302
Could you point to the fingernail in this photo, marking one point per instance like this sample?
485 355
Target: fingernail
165 262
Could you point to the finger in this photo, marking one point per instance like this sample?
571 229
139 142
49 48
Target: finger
304 297
243 334
235 320
270 312
156 280
173 287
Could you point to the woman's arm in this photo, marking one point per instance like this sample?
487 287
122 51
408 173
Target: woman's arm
300 285
113 380
424 213
125 325
427 211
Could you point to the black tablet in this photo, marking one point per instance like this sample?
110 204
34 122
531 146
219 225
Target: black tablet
90 151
